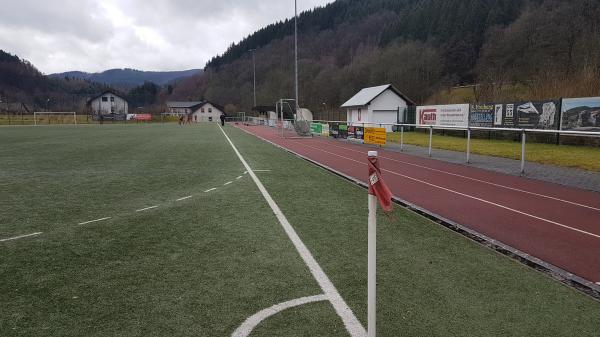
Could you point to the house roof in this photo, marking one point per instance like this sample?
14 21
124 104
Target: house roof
104 93
190 104
367 95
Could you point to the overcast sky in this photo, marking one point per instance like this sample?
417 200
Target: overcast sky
95 35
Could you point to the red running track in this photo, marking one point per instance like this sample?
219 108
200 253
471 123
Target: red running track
557 224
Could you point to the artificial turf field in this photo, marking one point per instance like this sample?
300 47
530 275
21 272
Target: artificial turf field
202 265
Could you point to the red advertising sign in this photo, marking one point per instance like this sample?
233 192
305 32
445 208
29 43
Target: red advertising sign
142 117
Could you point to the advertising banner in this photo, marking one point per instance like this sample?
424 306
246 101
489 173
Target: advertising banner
482 115
376 136
538 115
325 130
526 115
443 115
581 114
315 128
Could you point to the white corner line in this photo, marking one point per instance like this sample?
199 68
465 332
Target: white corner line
20 237
185 198
146 209
91 221
227 183
238 178
253 321
210 190
352 324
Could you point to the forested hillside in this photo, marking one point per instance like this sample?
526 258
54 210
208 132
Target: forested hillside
21 82
128 78
510 48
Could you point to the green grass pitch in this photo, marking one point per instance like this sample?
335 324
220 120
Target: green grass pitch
200 266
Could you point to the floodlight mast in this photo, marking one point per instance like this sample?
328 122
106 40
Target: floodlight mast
296 52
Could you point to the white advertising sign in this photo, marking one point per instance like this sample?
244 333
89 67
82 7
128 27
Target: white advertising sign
443 115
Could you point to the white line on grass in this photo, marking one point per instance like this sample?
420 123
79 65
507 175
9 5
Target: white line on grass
20 237
210 190
352 324
253 321
146 209
185 198
91 221
238 178
227 183
464 195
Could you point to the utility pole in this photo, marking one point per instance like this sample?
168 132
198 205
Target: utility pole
296 52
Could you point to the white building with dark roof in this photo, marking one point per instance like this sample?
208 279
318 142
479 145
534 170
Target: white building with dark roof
109 103
200 111
375 105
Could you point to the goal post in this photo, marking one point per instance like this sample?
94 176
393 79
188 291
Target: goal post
54 113
295 127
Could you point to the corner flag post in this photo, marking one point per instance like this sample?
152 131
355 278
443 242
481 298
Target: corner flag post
378 191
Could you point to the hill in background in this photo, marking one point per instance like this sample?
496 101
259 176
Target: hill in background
511 48
129 78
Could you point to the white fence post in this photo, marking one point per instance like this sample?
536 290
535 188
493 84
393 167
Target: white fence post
430 138
468 145
402 138
523 140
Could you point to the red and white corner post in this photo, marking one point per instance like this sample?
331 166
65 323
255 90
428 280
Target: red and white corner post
378 191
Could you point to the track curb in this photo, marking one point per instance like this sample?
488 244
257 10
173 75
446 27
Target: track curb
585 286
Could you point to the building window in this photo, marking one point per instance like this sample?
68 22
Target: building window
210 119
202 110
112 99
104 99
359 115
209 109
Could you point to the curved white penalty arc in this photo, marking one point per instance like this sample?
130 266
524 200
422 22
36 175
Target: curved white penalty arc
253 321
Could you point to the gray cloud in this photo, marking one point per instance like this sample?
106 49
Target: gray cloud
94 35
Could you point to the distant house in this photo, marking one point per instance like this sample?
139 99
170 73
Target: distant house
109 105
200 111
375 105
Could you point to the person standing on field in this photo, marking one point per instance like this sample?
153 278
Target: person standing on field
222 119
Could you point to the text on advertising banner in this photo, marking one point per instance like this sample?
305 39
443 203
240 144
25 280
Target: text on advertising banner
443 115
377 136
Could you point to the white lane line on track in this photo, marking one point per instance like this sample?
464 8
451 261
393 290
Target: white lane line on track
227 183
478 180
146 209
91 221
185 198
253 321
352 324
463 194
210 190
20 237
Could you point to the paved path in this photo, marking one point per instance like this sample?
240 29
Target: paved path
555 223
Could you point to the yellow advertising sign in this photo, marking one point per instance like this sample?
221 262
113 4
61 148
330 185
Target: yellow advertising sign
376 136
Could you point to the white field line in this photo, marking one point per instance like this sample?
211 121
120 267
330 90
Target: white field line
465 195
253 321
210 190
185 198
477 180
91 221
246 172
238 178
20 237
352 324
146 209
227 183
